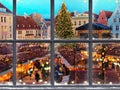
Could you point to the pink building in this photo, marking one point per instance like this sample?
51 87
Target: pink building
103 17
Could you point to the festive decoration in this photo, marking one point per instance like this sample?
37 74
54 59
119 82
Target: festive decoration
63 23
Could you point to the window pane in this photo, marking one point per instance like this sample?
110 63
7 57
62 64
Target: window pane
71 19
71 63
106 19
6 70
6 20
33 22
106 63
33 63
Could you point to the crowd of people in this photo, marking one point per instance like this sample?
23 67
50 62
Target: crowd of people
60 69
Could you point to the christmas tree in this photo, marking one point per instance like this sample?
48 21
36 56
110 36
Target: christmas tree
63 24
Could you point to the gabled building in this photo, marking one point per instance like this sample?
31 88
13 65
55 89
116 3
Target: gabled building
6 23
98 31
114 22
43 24
26 28
104 16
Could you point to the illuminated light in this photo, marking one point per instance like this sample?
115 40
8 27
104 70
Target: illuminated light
9 83
118 59
66 83
45 82
40 80
102 53
100 59
47 62
72 82
85 82
110 83
42 65
82 58
33 83
97 59
20 80
24 83
98 82
31 61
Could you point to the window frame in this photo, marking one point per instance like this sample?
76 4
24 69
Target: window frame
52 41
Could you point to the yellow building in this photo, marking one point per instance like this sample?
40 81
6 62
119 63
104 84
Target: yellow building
6 23
81 19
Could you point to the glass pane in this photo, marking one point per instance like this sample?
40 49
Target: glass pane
33 60
71 19
106 23
6 20
106 63
33 22
6 70
71 63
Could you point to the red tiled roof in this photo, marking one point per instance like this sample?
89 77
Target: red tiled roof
7 10
25 23
108 13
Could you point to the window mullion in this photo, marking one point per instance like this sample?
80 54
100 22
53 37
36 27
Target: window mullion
90 44
52 43
14 42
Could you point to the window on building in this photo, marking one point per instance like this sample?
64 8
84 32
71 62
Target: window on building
117 35
111 27
79 22
1 19
27 32
5 19
115 20
117 28
84 22
75 23
19 32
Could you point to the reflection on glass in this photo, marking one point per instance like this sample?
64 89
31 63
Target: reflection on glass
71 63
6 56
33 63
6 20
107 23
33 22
106 63
70 19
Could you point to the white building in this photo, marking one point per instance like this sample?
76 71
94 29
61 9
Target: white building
6 23
114 23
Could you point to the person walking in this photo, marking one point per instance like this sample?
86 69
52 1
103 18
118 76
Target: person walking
37 76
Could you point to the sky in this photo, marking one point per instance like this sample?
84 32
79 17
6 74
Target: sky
43 6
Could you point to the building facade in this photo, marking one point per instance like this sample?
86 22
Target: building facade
114 23
99 31
82 19
104 16
26 28
6 23
43 23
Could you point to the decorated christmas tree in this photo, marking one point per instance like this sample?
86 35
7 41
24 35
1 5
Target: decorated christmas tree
63 24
